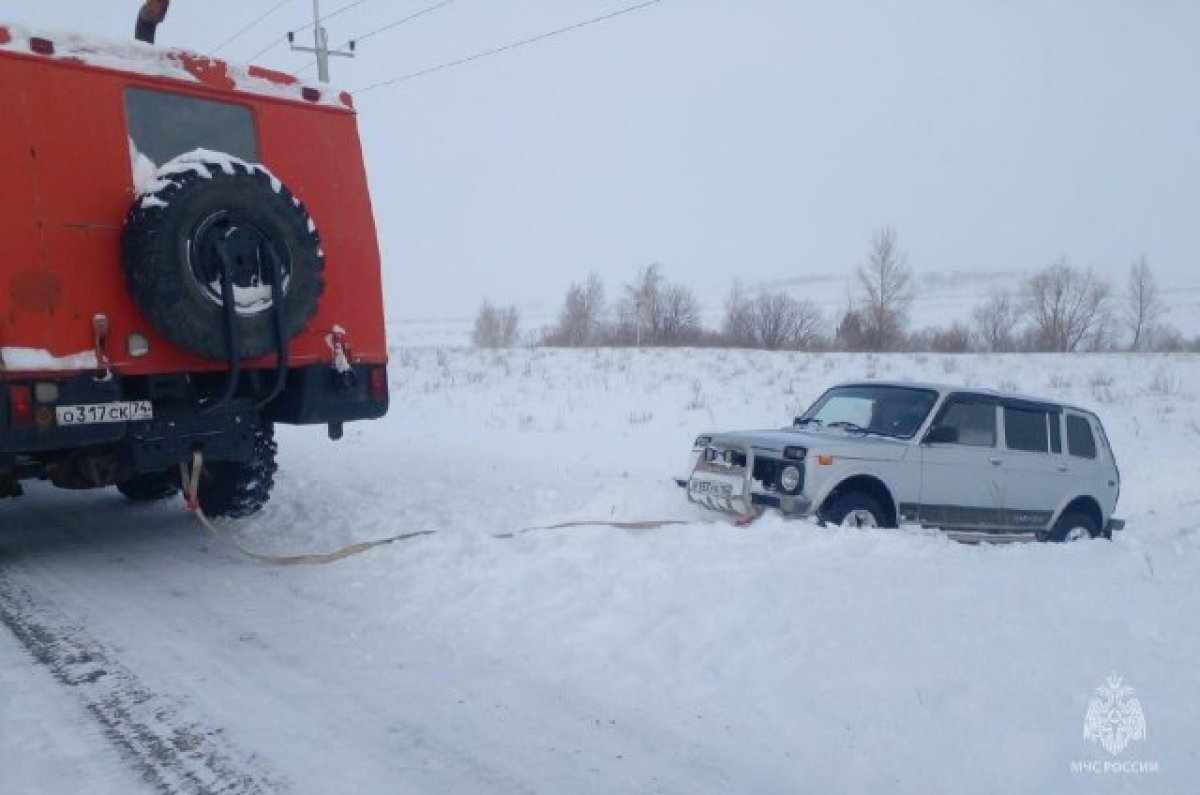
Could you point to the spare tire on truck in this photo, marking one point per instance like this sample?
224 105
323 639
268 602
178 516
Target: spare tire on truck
198 204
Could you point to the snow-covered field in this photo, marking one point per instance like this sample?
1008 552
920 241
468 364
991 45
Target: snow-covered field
699 657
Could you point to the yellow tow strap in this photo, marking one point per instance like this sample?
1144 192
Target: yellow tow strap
191 489
190 479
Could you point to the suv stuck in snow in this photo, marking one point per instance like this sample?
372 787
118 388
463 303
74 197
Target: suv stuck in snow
188 256
978 464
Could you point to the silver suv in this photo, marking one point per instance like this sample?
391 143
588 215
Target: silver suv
979 464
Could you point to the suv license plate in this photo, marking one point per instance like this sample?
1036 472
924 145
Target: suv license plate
92 413
725 489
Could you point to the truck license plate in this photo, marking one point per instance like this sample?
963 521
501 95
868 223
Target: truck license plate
122 411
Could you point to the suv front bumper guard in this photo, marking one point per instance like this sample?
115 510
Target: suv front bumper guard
720 485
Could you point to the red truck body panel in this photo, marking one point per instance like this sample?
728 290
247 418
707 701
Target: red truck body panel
68 183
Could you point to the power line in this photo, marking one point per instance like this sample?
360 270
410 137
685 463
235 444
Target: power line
251 24
266 49
303 28
389 26
409 18
335 12
512 46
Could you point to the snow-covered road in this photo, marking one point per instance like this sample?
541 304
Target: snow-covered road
141 655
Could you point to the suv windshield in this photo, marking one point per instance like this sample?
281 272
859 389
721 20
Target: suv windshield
887 410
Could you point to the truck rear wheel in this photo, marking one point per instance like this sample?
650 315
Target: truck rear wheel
240 488
150 486
204 204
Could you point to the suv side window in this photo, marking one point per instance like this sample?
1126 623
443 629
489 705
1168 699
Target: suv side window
974 422
1027 429
1080 441
164 125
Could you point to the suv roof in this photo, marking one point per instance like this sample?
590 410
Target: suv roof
944 388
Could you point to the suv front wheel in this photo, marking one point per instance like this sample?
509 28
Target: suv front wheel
854 510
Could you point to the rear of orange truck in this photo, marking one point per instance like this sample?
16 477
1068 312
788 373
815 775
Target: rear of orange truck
187 257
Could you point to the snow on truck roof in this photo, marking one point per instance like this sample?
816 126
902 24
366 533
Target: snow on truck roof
144 59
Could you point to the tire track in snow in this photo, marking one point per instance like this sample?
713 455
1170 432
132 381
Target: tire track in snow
172 753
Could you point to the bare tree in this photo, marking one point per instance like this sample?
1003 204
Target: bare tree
1144 305
1105 335
955 339
639 311
775 321
579 321
1167 338
779 321
850 335
496 327
996 322
738 325
653 312
1067 307
678 316
886 285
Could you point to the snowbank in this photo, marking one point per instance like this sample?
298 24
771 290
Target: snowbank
782 657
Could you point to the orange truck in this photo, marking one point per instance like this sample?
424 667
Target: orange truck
187 257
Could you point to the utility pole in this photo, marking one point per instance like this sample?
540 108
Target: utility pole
320 45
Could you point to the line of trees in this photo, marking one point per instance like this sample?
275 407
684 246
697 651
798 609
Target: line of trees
496 327
1060 308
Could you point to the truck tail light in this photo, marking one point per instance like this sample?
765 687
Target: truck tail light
378 384
20 407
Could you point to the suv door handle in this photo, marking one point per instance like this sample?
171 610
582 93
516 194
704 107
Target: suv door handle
1063 468
996 461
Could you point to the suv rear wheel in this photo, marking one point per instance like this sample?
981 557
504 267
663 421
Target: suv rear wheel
1074 526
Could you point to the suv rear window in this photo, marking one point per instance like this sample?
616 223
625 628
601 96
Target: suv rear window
163 125
1027 429
1080 442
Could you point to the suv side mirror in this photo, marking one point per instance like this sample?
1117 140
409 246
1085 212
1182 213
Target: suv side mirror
942 434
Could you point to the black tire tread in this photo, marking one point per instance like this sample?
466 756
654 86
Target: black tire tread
152 258
235 489
835 511
1073 519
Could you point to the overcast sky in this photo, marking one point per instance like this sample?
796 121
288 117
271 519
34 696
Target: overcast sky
760 139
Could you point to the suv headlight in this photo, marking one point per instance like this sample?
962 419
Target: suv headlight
789 478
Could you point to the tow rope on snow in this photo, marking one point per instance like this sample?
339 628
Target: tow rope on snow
645 525
190 481
191 490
